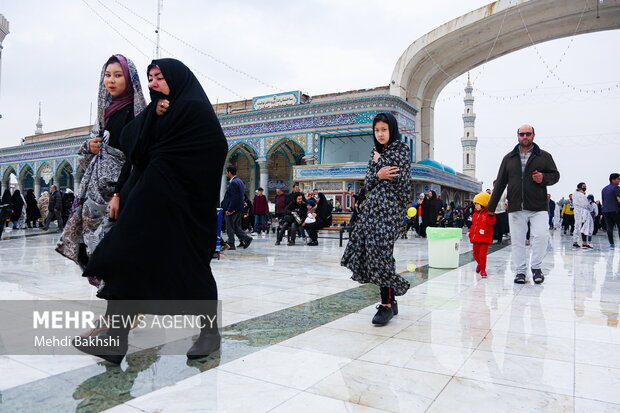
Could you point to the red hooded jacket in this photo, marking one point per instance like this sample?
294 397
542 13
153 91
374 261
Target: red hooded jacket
482 227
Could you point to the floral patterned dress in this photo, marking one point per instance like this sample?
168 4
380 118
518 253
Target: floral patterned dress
370 251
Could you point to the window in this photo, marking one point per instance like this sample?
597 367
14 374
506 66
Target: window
467 159
468 134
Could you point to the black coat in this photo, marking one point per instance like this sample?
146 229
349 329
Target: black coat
32 208
18 205
523 192
55 202
300 209
164 238
430 210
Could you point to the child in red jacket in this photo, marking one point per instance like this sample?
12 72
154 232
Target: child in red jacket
481 231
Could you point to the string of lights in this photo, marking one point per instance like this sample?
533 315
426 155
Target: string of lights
551 71
202 52
153 42
114 29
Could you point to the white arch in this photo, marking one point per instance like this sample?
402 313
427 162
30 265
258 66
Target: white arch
452 49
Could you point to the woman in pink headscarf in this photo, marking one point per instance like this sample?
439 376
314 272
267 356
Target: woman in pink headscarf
105 161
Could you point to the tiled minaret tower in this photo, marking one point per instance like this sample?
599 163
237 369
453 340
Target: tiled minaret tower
469 139
4 30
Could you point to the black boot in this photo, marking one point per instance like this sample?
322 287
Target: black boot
208 342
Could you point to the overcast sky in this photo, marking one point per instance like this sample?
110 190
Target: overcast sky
55 50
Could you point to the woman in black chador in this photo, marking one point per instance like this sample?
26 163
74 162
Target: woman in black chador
164 238
370 251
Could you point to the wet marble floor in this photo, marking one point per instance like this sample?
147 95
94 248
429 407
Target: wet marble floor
297 337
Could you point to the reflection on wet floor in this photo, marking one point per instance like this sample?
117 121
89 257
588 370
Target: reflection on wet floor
305 338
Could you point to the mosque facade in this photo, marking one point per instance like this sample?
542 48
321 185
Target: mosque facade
322 142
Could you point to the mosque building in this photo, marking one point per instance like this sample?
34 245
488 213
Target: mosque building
322 142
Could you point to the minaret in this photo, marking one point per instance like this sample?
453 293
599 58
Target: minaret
39 130
469 139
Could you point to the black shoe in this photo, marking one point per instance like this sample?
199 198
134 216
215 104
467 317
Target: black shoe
113 354
247 243
576 245
394 307
232 248
384 314
277 242
290 243
208 342
537 276
313 243
520 279
240 244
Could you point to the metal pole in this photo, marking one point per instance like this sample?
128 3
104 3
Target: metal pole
159 6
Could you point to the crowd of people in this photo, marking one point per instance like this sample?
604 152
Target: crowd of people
21 212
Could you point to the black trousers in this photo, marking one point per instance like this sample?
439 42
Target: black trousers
612 218
293 230
568 221
58 216
233 226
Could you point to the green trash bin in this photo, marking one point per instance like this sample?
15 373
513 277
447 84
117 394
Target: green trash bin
443 247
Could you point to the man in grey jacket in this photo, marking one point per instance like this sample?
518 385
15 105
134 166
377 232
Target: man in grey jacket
527 170
55 209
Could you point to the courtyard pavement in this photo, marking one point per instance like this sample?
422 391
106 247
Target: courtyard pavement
297 336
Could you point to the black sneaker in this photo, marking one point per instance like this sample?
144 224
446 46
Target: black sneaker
520 279
277 242
384 314
247 243
537 276
395 307
576 245
290 243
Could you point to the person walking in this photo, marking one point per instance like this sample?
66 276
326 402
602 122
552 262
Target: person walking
32 210
43 204
568 216
19 210
233 206
155 266
369 253
54 209
527 170
430 210
6 201
105 159
481 232
584 224
551 211
260 209
610 196
501 218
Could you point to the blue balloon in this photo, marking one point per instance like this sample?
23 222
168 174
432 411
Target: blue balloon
413 204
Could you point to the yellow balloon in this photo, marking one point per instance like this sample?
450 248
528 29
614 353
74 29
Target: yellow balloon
412 212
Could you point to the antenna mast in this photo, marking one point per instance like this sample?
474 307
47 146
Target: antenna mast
160 4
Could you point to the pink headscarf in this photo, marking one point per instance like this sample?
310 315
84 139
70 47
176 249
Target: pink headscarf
125 98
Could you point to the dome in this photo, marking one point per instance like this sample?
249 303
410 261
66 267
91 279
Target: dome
449 169
432 163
